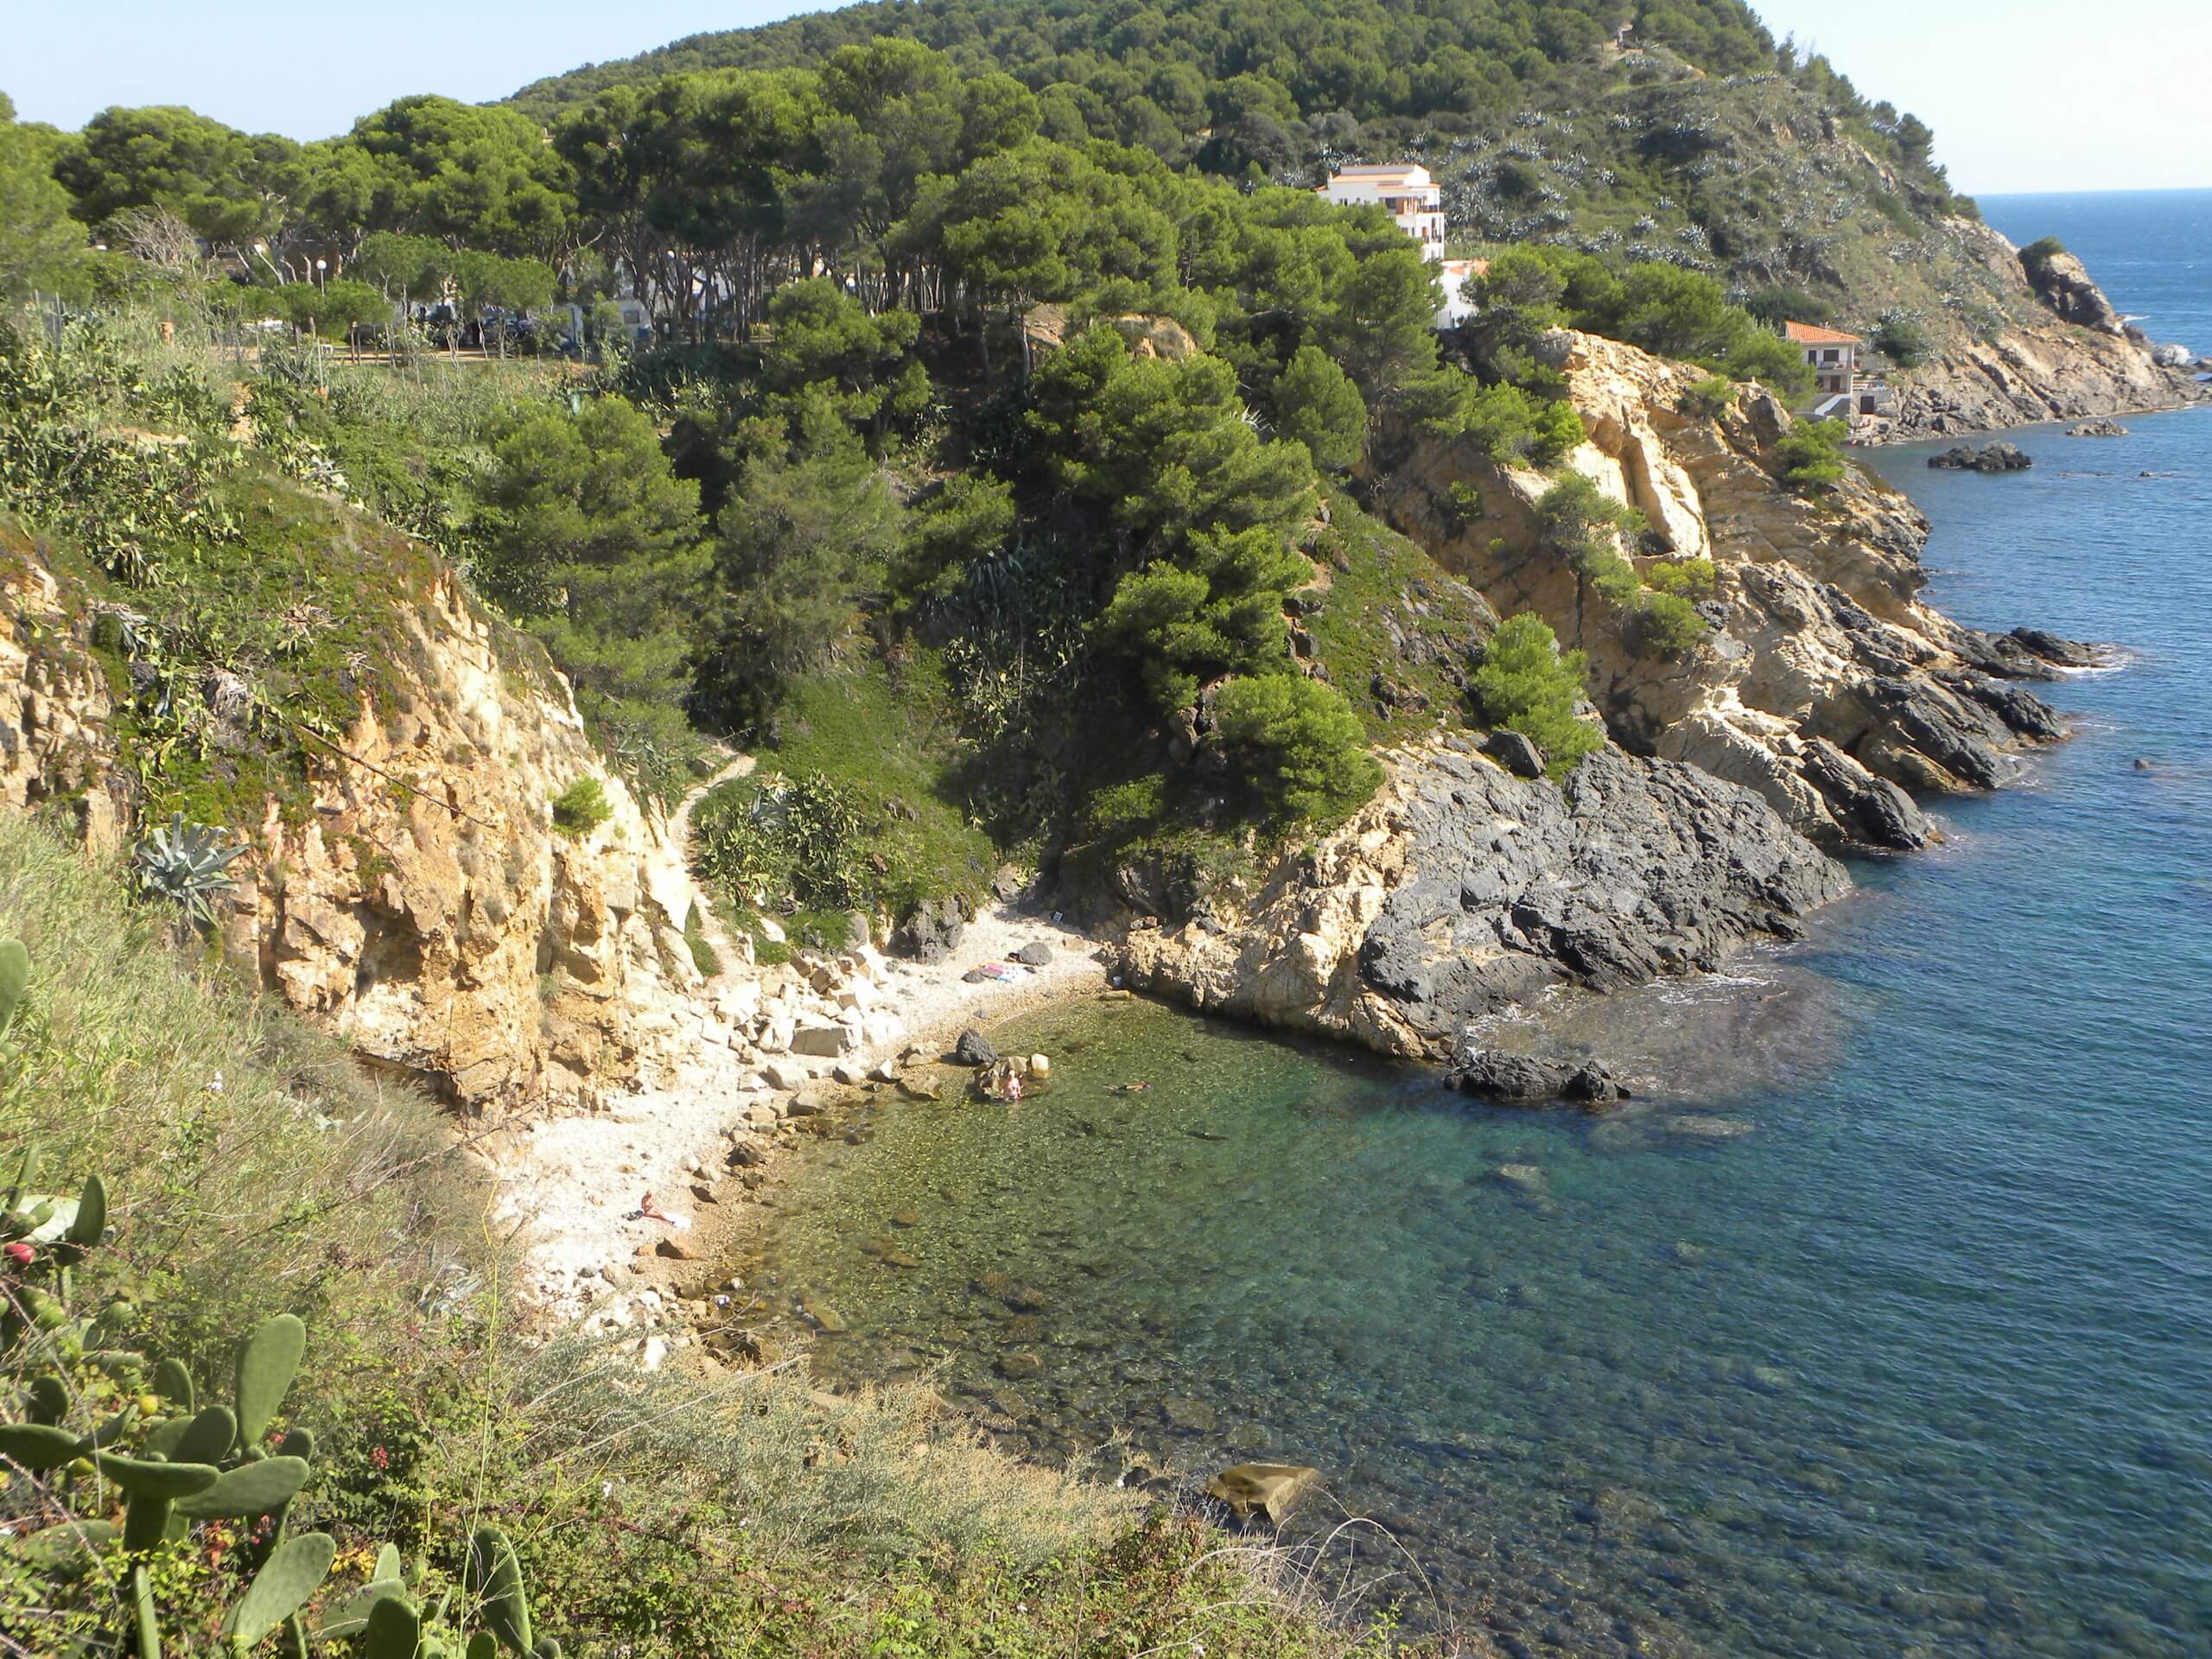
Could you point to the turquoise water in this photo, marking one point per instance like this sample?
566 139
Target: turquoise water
1901 1346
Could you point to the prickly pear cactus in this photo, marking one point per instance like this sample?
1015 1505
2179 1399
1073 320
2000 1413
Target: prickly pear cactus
15 979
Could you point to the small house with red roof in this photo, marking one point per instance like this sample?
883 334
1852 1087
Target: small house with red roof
1833 353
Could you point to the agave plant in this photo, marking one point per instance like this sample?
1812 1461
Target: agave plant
186 864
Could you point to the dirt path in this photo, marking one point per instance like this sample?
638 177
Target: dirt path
679 834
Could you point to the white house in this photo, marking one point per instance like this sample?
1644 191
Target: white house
1833 353
1412 197
1453 275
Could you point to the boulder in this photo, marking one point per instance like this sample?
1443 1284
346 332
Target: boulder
931 931
1263 1491
1870 810
1496 1074
974 1049
1035 953
2098 429
2173 356
1517 753
830 1042
2063 282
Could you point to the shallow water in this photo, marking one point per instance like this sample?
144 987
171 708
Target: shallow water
1906 1349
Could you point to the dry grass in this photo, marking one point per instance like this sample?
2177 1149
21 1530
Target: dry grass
879 1476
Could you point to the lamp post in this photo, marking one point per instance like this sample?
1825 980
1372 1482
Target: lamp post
320 266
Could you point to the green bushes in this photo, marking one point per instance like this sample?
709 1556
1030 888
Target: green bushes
1714 394
1811 456
1527 684
791 843
1905 340
582 807
1515 428
1583 528
2037 256
1691 578
1663 308
1297 748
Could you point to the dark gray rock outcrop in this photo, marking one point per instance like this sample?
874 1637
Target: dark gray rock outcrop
1494 1074
1631 870
2055 648
2063 282
1874 811
930 931
1991 458
1517 753
974 1049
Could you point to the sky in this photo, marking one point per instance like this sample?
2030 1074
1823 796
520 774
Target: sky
2024 95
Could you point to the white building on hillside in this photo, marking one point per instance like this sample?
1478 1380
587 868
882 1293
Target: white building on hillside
1413 199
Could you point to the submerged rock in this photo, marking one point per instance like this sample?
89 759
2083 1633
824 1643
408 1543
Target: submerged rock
2098 429
1497 1075
2056 648
1706 1126
1186 1415
1263 1491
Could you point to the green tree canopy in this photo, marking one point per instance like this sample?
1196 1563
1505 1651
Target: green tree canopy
42 244
594 545
1317 404
1296 748
230 187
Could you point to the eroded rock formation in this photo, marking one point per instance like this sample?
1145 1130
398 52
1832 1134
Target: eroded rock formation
420 901
1827 686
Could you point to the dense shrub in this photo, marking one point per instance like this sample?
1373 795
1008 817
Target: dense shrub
1905 340
582 807
1584 528
1527 684
1811 456
2038 255
1711 396
1515 428
1297 748
1662 308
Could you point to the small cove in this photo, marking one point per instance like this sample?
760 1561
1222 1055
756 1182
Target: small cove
1901 1351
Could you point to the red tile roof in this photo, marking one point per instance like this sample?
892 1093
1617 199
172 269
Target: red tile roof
1804 333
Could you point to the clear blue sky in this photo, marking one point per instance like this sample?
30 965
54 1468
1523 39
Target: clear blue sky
2023 94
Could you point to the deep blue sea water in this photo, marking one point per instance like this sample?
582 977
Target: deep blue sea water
1901 1346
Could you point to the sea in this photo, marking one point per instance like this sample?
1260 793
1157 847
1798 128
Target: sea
1881 1325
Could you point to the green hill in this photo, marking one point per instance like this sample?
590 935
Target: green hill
1704 142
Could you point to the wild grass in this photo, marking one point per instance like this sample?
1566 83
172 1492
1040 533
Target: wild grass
254 1167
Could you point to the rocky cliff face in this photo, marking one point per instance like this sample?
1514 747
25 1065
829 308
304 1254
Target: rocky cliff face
2054 349
1826 686
1461 890
420 900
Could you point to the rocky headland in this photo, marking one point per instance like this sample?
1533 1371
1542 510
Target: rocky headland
2052 347
1826 697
